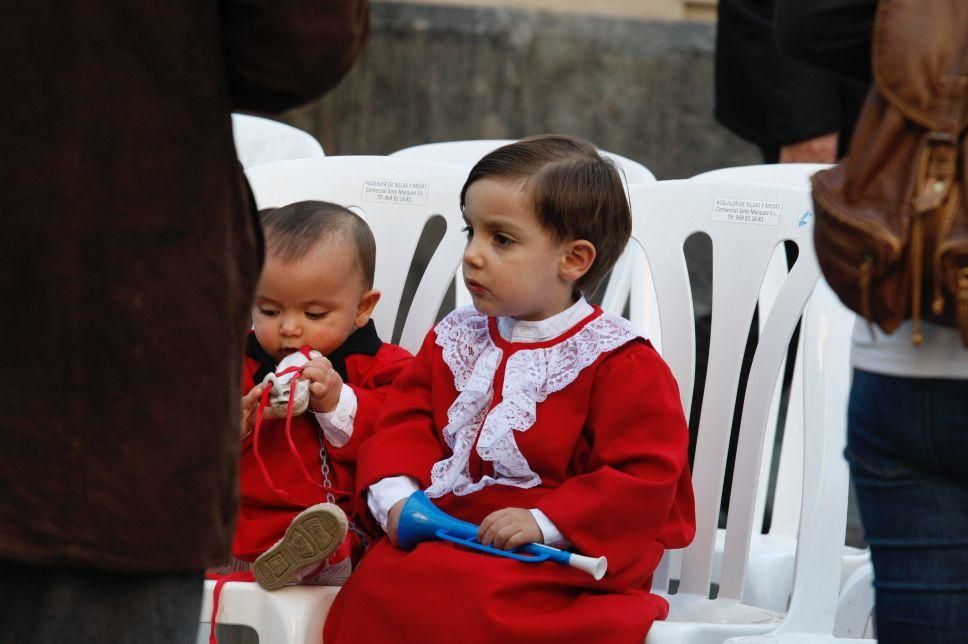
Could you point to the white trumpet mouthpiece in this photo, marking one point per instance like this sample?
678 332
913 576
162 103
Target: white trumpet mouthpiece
596 567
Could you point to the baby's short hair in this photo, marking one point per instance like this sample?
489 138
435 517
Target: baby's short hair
576 193
292 231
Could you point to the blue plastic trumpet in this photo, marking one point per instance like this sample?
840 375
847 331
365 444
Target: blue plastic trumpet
421 520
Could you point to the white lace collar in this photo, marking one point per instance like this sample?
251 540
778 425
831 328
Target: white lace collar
530 376
514 330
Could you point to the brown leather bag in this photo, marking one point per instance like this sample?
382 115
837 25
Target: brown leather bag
891 229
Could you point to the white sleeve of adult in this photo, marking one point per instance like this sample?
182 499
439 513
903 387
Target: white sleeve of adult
552 535
337 425
382 495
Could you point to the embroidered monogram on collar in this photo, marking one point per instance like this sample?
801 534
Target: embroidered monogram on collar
531 375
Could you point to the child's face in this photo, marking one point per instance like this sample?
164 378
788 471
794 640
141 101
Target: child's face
314 300
512 265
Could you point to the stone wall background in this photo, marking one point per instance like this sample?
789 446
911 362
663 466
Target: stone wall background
640 88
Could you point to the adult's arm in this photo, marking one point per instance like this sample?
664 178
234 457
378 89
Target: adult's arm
281 53
832 34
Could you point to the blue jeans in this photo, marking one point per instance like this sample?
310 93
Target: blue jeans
907 445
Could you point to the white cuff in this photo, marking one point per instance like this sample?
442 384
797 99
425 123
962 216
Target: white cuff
382 495
552 536
337 425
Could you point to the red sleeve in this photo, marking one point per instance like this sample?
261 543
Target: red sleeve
370 379
636 488
405 440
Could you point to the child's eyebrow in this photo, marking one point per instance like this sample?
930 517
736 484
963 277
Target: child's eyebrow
323 303
504 223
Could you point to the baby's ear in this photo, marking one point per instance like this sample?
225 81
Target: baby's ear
365 308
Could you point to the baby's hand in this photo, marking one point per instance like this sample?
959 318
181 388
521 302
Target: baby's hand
250 402
393 520
509 528
325 385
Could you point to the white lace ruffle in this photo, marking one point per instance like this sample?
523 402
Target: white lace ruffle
473 360
531 375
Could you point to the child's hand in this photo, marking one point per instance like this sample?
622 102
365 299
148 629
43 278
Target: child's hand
325 385
250 402
509 528
393 519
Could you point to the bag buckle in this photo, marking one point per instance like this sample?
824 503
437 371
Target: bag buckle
936 136
936 170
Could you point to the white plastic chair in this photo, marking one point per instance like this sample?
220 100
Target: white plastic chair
789 174
855 608
467 153
665 214
770 570
397 197
814 600
785 513
259 141
630 267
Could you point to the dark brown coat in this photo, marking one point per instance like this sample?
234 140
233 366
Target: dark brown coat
129 260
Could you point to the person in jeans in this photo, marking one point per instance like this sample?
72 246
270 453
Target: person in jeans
907 441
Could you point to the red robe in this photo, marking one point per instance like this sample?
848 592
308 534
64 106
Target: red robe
368 366
608 447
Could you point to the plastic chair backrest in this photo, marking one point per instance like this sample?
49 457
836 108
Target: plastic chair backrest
397 197
790 174
746 222
827 330
786 496
259 141
631 266
470 152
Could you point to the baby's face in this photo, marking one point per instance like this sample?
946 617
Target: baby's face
311 301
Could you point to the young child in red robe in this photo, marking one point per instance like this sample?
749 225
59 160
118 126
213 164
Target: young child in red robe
315 294
537 416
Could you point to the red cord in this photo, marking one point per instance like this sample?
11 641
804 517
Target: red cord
292 445
294 451
221 580
263 402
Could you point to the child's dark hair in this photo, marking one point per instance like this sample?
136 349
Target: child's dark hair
576 193
292 231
